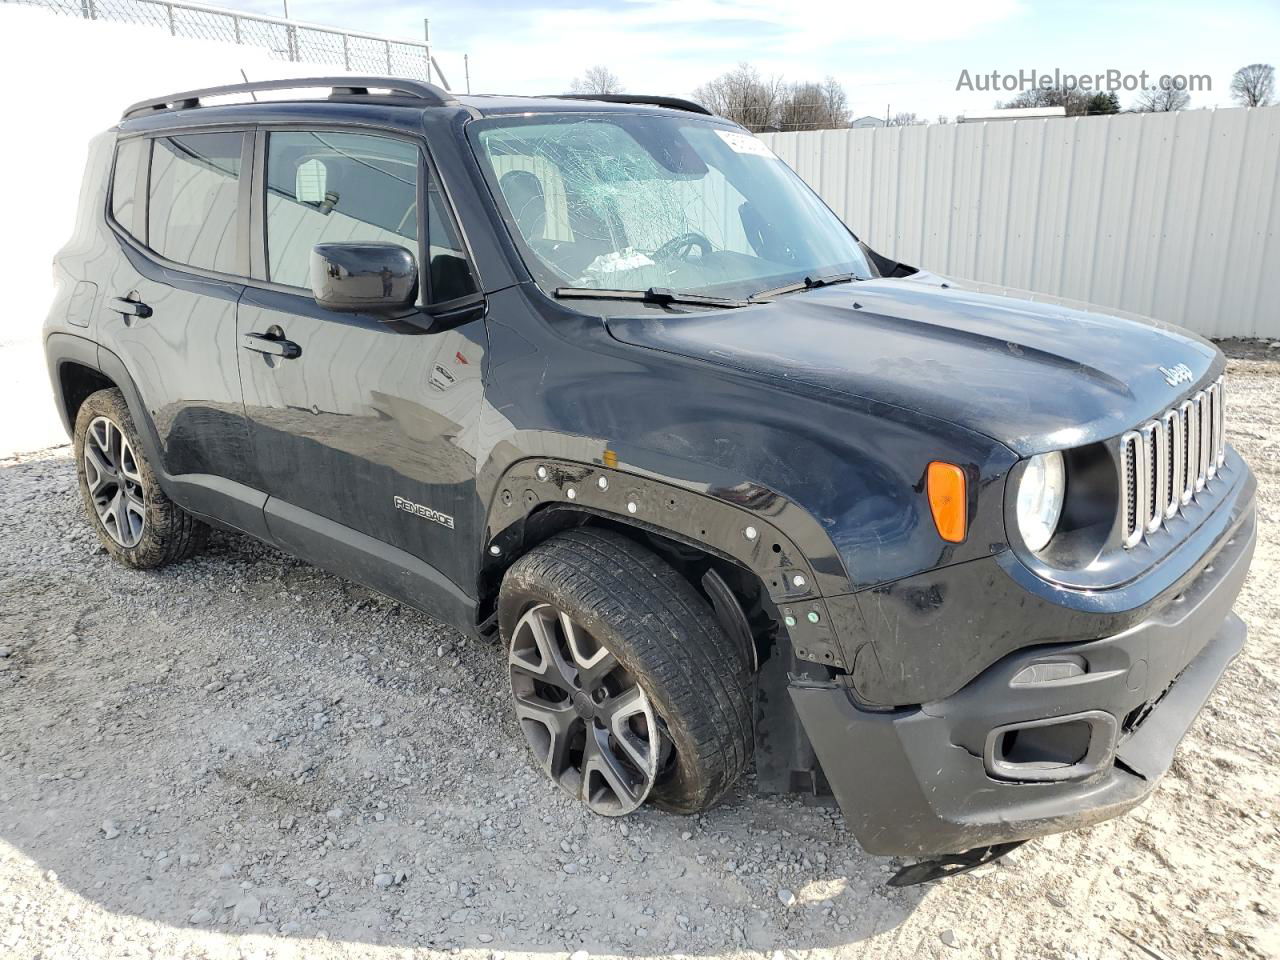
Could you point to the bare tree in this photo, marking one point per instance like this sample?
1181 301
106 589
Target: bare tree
836 102
814 106
905 119
1254 85
597 79
1161 100
1074 101
744 96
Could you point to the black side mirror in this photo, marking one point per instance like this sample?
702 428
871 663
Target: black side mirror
379 278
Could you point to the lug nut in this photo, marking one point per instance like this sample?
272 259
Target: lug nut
813 616
541 473
789 620
750 533
571 493
798 581
603 483
631 506
495 550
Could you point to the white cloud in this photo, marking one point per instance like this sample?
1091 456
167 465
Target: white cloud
671 46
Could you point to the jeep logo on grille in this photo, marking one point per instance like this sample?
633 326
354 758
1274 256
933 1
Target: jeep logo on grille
1179 373
418 510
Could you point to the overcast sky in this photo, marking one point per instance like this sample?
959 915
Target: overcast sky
906 55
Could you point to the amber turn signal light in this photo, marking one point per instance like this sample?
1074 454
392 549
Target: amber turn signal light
947 500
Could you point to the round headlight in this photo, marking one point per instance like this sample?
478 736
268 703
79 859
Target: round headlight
1040 493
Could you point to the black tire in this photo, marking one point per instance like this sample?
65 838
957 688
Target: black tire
168 534
662 632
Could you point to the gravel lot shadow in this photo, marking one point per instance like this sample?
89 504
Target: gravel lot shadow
245 744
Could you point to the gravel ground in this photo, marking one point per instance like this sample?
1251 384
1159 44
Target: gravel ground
245 757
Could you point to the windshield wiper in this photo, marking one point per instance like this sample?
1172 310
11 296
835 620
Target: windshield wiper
808 283
659 295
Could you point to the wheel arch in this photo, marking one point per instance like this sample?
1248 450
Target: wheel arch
759 573
79 368
76 383
736 594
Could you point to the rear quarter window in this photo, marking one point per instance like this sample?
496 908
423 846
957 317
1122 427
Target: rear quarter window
130 157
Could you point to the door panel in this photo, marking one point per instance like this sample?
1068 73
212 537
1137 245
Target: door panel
183 358
369 421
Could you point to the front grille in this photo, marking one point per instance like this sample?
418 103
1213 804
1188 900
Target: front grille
1167 462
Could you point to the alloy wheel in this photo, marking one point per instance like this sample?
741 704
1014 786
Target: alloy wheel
114 482
586 718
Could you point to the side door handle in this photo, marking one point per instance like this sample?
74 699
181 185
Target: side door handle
271 346
130 308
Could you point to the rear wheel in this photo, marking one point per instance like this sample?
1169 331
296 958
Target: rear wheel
624 684
136 523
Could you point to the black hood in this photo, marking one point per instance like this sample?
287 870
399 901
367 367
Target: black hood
1033 375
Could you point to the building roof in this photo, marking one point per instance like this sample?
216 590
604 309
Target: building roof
1013 113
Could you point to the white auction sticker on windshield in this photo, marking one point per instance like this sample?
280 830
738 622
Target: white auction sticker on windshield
745 143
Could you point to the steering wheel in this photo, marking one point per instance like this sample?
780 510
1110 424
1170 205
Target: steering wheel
681 246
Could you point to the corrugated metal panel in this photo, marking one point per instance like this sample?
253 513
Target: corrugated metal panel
1171 215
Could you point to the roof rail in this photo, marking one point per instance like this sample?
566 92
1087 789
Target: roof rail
673 103
340 88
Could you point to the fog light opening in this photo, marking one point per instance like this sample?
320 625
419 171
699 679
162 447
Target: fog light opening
1052 749
1045 748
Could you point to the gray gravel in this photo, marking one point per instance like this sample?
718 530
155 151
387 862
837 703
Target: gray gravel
246 757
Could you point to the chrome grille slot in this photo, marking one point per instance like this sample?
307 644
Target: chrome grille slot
1220 421
1189 443
1213 396
1131 465
1171 424
1202 440
1166 462
1152 492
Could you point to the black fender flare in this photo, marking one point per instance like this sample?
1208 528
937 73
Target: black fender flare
744 523
64 348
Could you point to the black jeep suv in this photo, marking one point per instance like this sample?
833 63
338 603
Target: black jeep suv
604 378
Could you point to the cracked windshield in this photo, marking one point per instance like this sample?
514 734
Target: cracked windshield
632 202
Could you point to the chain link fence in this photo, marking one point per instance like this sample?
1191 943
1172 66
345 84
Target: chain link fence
284 39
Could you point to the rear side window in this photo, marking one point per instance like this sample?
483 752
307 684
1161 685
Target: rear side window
130 156
194 195
327 187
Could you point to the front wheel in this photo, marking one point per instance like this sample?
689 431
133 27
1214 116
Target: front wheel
624 684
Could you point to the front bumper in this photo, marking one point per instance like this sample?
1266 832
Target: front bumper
930 779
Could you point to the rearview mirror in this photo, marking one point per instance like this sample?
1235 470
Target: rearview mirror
379 278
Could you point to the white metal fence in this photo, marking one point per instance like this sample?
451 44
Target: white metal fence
1174 216
285 39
